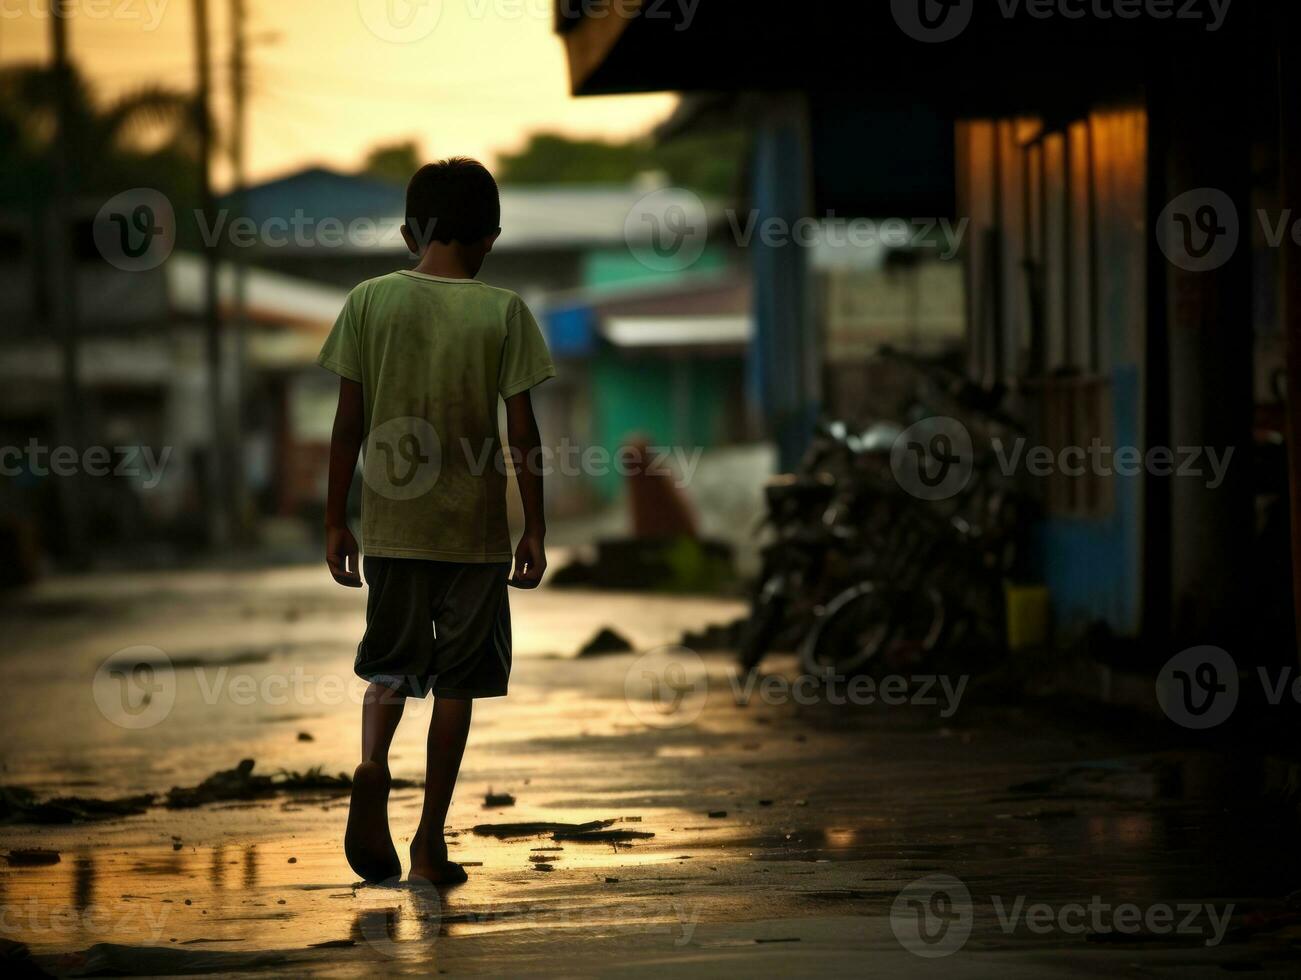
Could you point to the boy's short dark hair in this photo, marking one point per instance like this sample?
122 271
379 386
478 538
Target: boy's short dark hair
452 200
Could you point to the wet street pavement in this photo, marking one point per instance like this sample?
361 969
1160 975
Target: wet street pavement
783 829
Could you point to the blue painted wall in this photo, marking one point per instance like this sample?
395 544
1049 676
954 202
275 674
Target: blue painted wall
1093 566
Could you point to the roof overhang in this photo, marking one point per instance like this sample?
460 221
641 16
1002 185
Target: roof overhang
270 298
723 331
998 62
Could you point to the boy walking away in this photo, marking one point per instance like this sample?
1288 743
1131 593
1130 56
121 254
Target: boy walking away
423 357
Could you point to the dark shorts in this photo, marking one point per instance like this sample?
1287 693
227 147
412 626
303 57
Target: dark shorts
436 627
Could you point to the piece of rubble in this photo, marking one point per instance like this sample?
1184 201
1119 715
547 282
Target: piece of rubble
20 805
601 836
28 857
506 831
241 783
605 641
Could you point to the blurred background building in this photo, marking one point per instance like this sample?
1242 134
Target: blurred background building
1031 199
1065 143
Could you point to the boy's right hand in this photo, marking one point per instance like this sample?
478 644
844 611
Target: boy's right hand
341 555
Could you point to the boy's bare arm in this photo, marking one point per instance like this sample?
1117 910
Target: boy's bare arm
345 444
525 441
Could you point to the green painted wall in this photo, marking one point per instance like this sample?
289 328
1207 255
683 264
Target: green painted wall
619 267
669 401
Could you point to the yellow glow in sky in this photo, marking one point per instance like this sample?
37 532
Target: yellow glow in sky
329 79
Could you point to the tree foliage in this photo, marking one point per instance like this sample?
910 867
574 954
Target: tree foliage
710 164
393 162
146 138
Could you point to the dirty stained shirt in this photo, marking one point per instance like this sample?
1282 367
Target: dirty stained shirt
433 356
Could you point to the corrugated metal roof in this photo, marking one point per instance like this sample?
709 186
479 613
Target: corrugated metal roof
542 217
271 296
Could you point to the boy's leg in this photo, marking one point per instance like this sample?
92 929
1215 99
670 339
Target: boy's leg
448 729
367 843
381 710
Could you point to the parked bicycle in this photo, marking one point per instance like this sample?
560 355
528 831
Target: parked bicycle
861 576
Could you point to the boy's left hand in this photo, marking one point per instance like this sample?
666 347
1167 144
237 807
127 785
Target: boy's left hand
530 562
341 555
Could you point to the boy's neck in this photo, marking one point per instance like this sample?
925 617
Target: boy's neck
446 262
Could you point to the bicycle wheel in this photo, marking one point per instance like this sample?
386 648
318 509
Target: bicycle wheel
872 627
758 632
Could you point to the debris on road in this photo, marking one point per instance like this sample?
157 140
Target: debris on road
715 636
605 641
241 784
593 832
491 799
32 857
601 836
19 805
507 831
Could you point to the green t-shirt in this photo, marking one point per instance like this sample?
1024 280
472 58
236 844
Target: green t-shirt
432 356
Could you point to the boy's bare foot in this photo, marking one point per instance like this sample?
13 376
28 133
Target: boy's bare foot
429 862
367 842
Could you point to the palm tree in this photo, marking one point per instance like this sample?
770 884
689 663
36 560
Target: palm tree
146 138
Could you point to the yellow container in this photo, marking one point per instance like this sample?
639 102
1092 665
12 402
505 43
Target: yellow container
1027 616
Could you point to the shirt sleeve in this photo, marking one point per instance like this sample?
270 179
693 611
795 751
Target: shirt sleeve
525 360
342 350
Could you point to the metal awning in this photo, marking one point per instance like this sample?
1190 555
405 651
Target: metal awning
678 331
271 297
1005 57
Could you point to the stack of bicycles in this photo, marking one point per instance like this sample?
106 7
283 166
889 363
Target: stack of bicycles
863 575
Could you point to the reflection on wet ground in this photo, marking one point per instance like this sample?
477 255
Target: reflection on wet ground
783 833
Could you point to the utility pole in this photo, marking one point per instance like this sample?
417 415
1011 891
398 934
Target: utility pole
239 311
1290 193
63 286
1209 355
219 501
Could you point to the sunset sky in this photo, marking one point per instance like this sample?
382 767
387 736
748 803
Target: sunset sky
329 79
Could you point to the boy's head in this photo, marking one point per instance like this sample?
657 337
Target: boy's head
453 204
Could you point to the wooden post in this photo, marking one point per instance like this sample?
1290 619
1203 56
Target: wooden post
63 292
218 488
239 301
1210 338
785 359
1289 78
